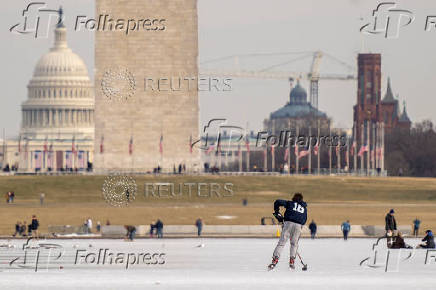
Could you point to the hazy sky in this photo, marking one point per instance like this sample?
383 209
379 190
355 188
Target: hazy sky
237 27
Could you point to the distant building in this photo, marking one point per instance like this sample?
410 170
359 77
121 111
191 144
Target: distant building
374 117
57 127
298 112
391 115
370 109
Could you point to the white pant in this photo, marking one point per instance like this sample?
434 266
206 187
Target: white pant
291 231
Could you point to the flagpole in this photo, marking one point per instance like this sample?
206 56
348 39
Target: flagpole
265 158
330 151
272 149
377 145
368 154
240 157
289 147
373 152
383 147
4 147
309 159
355 148
348 154
319 149
247 147
338 156
362 157
297 152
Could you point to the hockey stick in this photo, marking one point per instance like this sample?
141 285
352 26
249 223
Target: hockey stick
301 260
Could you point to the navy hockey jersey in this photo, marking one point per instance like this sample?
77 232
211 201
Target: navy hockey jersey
295 211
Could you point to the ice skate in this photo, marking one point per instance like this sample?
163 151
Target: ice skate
291 263
273 264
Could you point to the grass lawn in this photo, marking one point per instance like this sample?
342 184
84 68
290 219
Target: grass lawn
71 199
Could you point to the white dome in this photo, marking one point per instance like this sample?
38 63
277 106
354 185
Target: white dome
60 95
60 63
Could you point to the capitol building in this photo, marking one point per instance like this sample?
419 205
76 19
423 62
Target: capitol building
57 127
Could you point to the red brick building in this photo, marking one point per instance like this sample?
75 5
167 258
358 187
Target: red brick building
370 109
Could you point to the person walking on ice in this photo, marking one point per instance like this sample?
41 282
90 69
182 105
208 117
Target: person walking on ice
293 220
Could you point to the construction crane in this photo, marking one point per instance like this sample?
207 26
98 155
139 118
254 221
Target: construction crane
271 72
314 78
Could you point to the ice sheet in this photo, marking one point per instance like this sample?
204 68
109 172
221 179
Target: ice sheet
223 264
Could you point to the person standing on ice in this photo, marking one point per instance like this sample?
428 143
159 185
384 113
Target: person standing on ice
390 223
416 224
293 220
312 228
345 227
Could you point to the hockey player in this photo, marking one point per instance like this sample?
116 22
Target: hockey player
293 220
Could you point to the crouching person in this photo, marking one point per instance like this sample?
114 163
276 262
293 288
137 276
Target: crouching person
131 232
428 240
399 243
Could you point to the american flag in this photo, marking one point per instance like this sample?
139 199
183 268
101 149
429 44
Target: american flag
101 145
73 146
362 150
209 149
316 149
286 154
45 145
303 153
131 146
353 148
247 144
161 144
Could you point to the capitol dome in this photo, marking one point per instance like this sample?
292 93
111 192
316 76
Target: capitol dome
61 63
57 126
60 94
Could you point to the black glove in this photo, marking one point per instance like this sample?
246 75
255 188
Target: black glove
278 216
